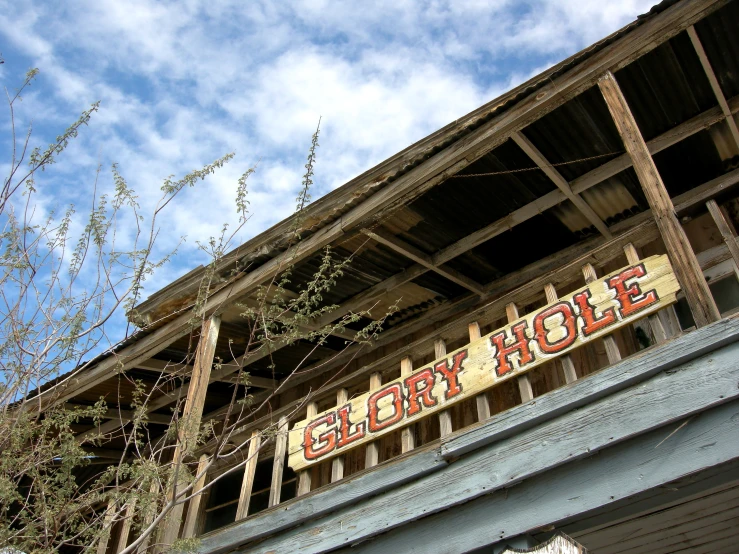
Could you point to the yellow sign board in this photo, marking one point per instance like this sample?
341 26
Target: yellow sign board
585 315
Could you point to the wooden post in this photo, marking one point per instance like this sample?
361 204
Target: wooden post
279 462
658 330
481 400
407 438
612 352
725 230
250 469
193 509
445 417
568 367
304 477
524 383
126 525
189 423
372 455
110 511
337 464
683 258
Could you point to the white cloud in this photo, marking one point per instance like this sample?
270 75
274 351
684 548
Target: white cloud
183 82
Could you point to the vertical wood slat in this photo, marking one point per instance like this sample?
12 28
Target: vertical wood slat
372 454
126 525
189 423
304 477
481 400
568 367
148 519
445 417
250 469
278 466
658 330
725 230
193 509
110 511
685 264
407 437
337 464
524 383
612 352
715 86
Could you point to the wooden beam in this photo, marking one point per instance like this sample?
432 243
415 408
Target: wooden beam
337 464
108 517
184 370
568 367
413 253
188 426
372 455
481 400
724 229
612 352
279 462
125 531
715 86
445 417
556 177
655 324
524 383
683 259
193 508
407 435
304 477
250 469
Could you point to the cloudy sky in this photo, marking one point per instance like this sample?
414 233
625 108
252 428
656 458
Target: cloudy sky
184 82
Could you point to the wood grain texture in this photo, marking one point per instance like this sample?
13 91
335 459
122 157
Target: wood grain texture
445 417
279 462
724 229
516 421
481 400
304 477
476 366
250 469
666 399
612 352
688 271
372 456
524 383
193 508
568 367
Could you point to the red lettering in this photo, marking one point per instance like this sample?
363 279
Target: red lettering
411 382
631 299
520 345
397 394
592 324
328 438
568 322
453 387
345 434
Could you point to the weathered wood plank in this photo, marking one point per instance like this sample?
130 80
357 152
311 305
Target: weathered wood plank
658 331
279 462
612 352
193 508
337 465
694 285
516 421
250 469
445 417
638 464
304 477
568 367
524 384
407 435
481 400
724 229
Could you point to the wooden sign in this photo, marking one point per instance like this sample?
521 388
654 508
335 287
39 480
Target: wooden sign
558 544
587 314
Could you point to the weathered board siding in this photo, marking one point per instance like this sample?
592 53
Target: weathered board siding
587 314
498 444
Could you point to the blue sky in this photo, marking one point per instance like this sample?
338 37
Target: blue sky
182 83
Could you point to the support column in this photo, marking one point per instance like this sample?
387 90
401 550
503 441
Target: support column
189 423
278 465
193 509
681 255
